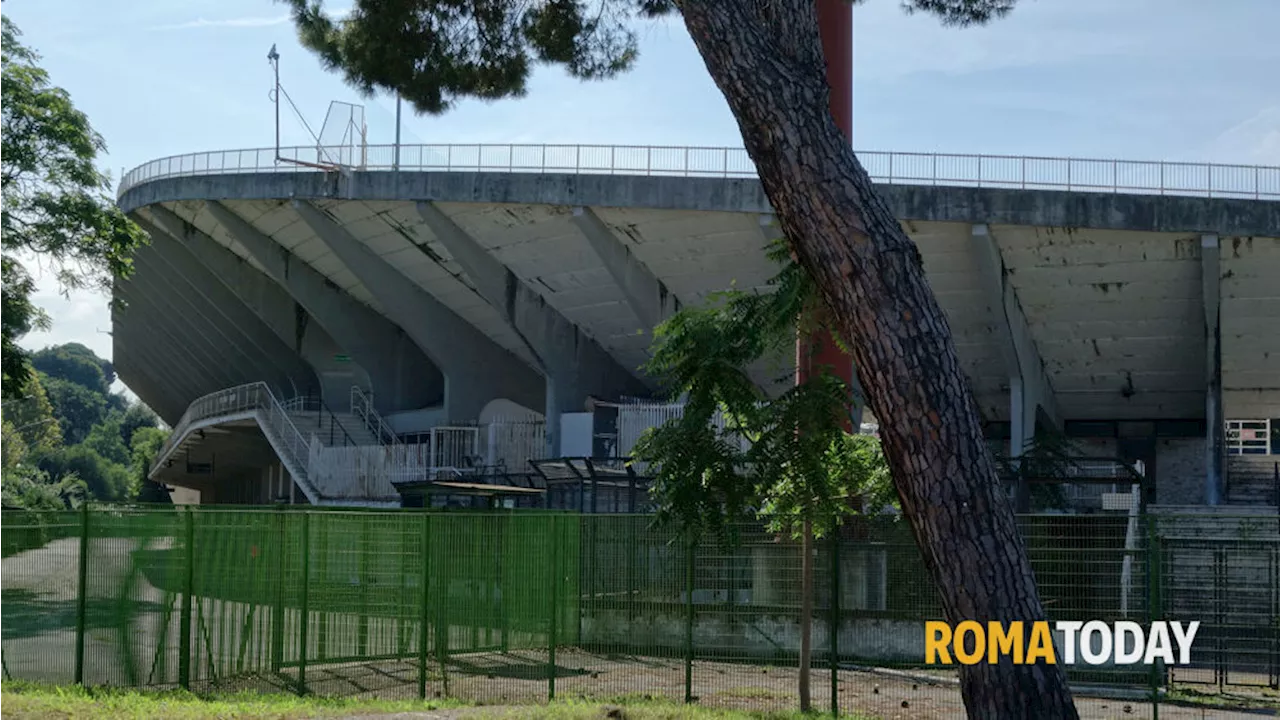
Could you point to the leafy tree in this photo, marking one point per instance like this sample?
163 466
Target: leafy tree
77 408
145 447
767 60
31 418
788 459
136 417
103 479
30 488
56 203
76 363
106 439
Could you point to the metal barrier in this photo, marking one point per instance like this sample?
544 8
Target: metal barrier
1002 171
362 408
504 608
1249 437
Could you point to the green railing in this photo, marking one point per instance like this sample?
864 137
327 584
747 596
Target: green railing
526 605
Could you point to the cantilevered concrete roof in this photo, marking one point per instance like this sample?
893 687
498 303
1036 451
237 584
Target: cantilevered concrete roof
1111 289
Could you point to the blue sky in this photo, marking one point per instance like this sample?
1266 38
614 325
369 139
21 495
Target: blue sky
1134 79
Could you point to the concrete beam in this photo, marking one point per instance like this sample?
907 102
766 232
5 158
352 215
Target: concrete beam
174 392
153 391
575 365
194 350
202 317
253 336
1215 423
173 311
648 297
476 369
402 377
168 366
1031 395
283 316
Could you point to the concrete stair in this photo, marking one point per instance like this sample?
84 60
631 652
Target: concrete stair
347 430
1220 565
1251 479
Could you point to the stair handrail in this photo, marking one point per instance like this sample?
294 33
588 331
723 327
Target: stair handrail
247 398
307 403
362 407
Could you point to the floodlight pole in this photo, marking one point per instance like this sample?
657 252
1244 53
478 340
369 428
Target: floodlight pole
396 165
273 57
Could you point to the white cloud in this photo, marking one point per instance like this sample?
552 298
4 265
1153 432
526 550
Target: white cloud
245 22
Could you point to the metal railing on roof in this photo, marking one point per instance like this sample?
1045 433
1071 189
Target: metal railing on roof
905 168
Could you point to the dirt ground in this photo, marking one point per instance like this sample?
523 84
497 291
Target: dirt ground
506 681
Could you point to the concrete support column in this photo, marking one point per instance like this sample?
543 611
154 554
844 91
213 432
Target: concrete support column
286 324
228 311
398 370
1031 396
200 359
575 366
1215 422
648 297
224 340
154 390
476 369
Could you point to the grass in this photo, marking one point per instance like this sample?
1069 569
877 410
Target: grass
50 702
28 701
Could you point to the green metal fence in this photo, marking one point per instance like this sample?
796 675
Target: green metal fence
523 606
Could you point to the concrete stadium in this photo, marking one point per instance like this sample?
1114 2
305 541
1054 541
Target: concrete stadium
330 326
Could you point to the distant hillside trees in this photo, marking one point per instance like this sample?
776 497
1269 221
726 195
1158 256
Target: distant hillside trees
70 437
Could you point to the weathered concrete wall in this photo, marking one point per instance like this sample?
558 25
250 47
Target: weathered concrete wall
755 635
1180 471
1096 447
765 635
1159 213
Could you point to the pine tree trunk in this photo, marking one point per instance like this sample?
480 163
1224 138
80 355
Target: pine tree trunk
766 58
806 614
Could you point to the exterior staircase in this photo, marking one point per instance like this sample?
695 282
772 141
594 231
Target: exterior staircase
1219 565
332 429
1251 480
293 432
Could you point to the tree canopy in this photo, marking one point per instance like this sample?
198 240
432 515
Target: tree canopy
79 440
436 52
78 364
735 451
56 202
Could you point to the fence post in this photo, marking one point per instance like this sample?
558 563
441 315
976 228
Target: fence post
555 609
504 595
1153 604
688 624
424 618
444 602
302 620
833 622
82 591
188 590
362 570
277 612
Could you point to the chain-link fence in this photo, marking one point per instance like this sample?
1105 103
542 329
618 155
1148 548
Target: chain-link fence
524 606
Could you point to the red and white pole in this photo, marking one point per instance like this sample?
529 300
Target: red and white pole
818 352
